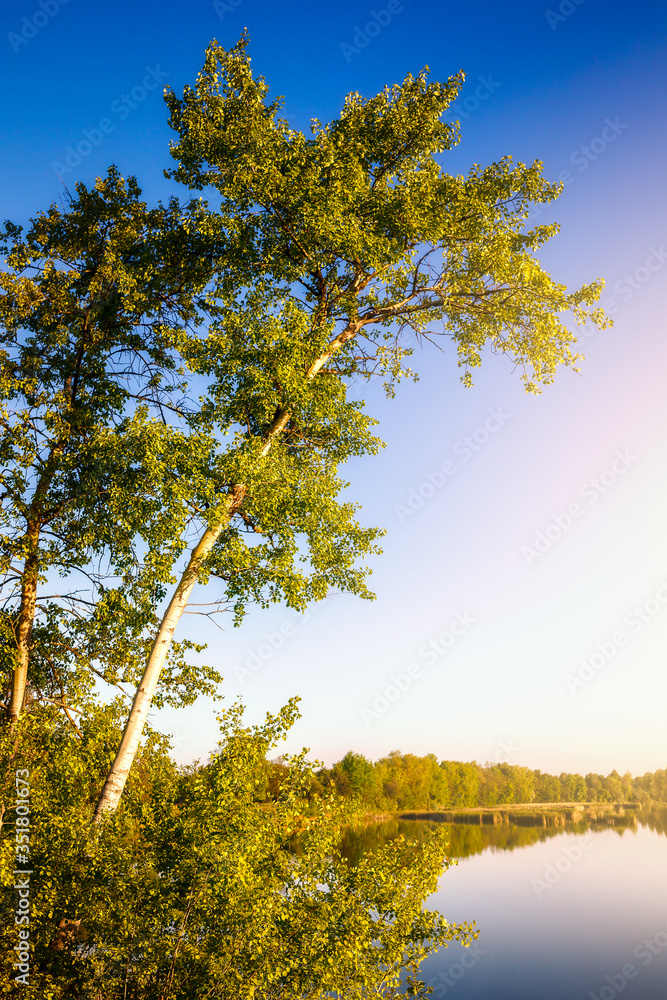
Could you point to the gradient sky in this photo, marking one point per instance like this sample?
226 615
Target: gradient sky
552 79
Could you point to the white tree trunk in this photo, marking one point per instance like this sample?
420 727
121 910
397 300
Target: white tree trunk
115 782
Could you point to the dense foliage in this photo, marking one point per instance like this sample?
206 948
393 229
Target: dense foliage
405 781
193 888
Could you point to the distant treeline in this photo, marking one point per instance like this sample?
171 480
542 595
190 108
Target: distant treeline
404 781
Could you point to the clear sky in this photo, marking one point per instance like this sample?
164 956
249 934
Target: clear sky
526 583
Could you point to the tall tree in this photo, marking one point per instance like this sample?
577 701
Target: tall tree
274 528
88 462
336 245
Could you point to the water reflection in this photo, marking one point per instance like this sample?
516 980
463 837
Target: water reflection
581 913
466 839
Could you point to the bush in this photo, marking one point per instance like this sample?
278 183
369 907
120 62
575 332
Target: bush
192 888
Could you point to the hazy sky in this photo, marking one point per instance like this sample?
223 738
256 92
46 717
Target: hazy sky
526 583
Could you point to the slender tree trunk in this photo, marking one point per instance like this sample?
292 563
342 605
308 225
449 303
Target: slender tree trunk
24 626
30 576
120 769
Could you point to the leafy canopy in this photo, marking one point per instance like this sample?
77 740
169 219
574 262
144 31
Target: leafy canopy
360 229
88 464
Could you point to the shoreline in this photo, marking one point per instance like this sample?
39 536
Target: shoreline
539 814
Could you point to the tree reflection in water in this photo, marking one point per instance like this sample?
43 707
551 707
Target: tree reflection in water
466 839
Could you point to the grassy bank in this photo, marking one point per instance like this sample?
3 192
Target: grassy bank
537 814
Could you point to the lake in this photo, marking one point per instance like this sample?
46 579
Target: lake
576 912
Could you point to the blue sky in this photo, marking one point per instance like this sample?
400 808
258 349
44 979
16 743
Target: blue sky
519 610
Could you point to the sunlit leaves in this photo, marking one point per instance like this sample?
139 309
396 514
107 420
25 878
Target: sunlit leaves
202 885
362 227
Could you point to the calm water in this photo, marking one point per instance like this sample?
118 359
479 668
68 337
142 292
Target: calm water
562 914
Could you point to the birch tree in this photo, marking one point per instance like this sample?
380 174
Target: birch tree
338 245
